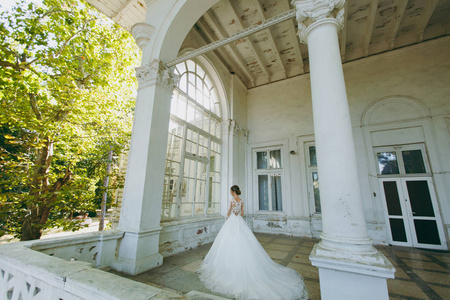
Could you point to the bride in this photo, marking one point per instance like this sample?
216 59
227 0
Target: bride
238 266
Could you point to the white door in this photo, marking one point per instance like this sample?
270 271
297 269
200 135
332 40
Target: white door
412 213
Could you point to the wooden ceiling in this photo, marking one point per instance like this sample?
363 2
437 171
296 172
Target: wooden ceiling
273 54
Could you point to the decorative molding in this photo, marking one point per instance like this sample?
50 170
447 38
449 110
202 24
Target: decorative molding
156 73
234 37
416 105
142 32
232 127
310 13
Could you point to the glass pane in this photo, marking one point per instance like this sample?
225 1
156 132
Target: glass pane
276 192
312 156
275 159
182 84
212 129
420 199
218 129
217 162
181 111
261 160
190 65
398 230
263 188
185 209
427 232
392 199
190 114
199 209
413 161
315 178
174 104
205 123
203 151
387 163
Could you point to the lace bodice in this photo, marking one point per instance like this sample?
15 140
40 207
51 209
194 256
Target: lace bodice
236 207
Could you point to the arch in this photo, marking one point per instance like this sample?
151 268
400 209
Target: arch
216 79
171 32
392 109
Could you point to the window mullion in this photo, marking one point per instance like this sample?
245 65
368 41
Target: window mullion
207 177
195 175
181 171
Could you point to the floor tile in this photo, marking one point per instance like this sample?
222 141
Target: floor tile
277 254
192 267
434 277
304 250
405 288
444 292
301 258
411 255
308 272
313 288
400 273
419 264
286 241
443 258
280 247
309 244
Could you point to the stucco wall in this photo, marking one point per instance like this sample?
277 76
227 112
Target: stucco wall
283 110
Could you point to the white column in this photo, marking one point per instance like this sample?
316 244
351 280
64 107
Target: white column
349 266
141 207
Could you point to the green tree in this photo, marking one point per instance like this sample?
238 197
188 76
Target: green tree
66 89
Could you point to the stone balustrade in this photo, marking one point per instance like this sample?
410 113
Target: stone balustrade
66 268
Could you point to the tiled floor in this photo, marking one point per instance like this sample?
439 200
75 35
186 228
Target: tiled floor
421 274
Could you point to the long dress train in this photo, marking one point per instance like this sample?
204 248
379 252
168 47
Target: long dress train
238 266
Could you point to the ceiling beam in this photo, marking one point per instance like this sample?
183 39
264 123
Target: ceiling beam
343 41
118 14
205 36
270 35
370 24
211 20
422 24
234 37
399 12
294 38
258 54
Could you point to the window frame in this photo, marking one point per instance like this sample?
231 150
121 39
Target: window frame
177 190
401 166
309 178
268 172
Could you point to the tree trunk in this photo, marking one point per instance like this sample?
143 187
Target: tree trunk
38 215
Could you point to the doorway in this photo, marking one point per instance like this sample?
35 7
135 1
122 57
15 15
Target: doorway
410 204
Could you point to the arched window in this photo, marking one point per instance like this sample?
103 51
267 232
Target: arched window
192 175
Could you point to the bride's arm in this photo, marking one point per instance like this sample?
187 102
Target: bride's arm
229 211
242 208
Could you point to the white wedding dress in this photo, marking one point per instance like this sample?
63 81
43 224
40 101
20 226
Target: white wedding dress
238 266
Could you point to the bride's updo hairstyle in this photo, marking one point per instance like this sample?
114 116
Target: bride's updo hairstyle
236 189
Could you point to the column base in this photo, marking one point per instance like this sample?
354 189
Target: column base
138 252
352 276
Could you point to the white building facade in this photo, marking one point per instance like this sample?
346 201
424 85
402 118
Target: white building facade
349 146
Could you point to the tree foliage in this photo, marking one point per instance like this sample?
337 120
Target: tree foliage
66 89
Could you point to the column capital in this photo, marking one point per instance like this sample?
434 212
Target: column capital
142 32
311 13
156 72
